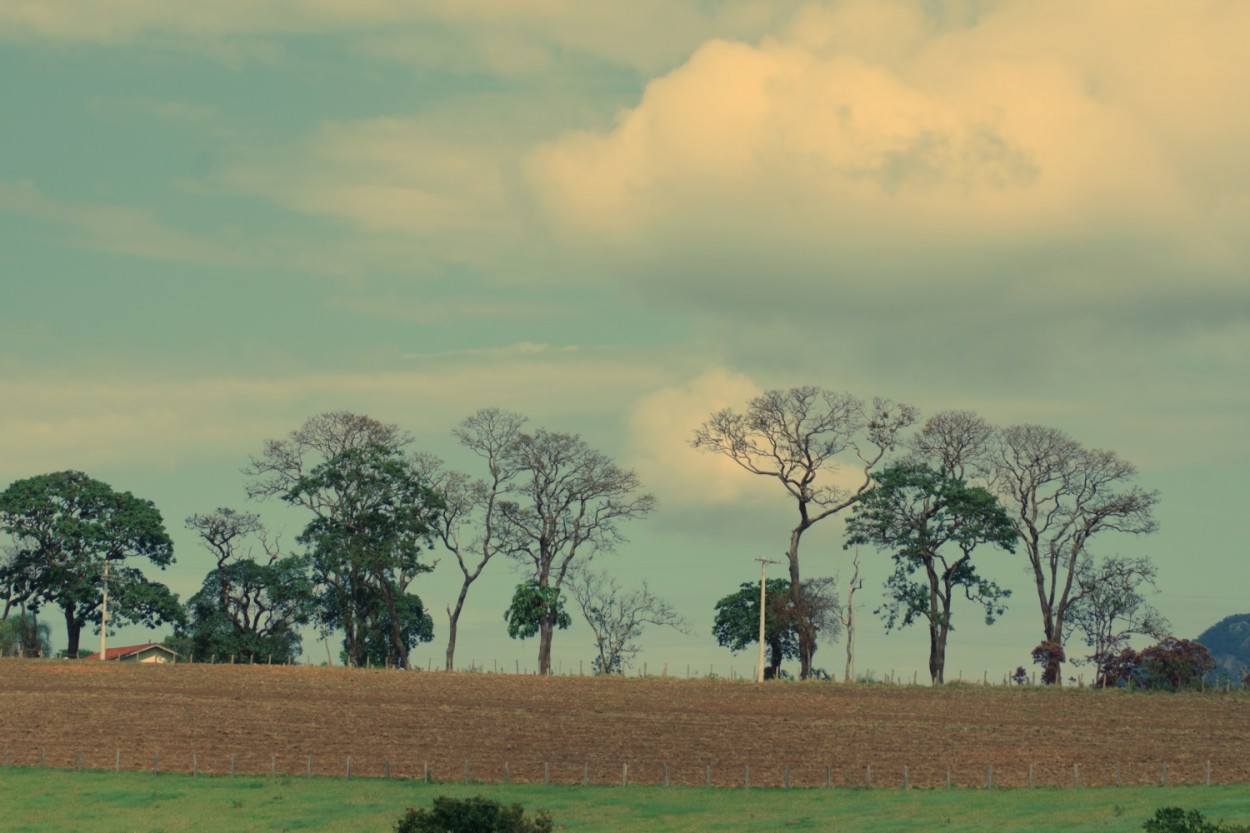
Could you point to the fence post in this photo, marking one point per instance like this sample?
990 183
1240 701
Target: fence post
156 759
233 768
989 777
43 757
546 773
1031 774
466 772
746 776
507 773
585 773
308 763
195 764
1165 773
388 767
117 761
948 776
906 779
425 771
1118 782
349 767
868 777
1076 775
664 766
273 767
787 776
828 776
624 774
1208 769
707 775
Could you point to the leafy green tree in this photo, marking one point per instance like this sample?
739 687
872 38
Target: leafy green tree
534 606
66 527
251 604
737 623
373 520
931 522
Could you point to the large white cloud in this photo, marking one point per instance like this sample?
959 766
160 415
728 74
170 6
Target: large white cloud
902 144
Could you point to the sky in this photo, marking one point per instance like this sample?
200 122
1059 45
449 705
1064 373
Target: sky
217 220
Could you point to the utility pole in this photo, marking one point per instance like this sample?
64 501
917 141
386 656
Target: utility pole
104 614
764 562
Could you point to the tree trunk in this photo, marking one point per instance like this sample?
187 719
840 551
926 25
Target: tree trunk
802 625
453 621
453 618
72 631
937 658
545 631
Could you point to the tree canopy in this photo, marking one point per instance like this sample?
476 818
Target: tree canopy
66 526
931 522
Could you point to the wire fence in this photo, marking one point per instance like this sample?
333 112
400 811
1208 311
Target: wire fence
443 768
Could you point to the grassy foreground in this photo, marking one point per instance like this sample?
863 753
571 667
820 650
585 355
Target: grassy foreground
57 801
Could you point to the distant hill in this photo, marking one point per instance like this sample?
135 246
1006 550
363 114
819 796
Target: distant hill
1229 643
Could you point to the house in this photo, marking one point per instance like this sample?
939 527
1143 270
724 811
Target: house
147 652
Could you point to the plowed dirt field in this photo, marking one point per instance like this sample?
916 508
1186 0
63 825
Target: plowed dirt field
201 718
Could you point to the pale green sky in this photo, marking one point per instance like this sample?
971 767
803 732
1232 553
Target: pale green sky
217 220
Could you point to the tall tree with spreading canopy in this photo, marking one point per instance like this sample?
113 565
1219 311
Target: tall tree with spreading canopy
468 524
566 504
66 526
931 523
1060 496
373 519
253 601
796 436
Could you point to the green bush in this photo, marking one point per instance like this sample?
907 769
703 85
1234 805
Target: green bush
1177 820
472 815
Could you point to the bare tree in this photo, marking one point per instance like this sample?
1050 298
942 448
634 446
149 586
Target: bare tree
796 436
848 617
617 617
1109 606
567 502
959 443
468 524
1060 495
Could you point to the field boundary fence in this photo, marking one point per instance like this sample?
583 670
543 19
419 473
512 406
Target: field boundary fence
600 771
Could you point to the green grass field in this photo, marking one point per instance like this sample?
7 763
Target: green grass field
56 801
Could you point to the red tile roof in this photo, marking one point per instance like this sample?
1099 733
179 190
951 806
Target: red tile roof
119 653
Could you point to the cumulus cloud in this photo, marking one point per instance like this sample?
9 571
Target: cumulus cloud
660 427
872 143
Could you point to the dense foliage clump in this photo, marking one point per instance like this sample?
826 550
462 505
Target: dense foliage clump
1178 820
472 815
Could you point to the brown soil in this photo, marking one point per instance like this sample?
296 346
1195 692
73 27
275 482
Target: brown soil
200 717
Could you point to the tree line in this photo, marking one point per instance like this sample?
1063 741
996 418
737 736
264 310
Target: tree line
936 497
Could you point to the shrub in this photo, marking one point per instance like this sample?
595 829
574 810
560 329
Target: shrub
1177 820
472 815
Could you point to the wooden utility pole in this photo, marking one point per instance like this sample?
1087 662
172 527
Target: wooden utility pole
104 613
764 562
